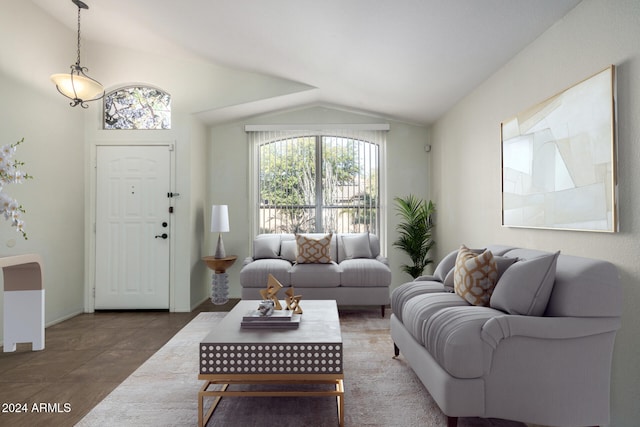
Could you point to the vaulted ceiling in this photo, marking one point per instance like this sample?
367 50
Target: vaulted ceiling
409 60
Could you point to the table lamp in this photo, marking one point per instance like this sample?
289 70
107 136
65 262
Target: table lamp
219 224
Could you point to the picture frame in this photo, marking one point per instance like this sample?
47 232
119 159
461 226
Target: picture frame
559 160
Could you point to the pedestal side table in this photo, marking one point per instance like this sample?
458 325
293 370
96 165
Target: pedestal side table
219 278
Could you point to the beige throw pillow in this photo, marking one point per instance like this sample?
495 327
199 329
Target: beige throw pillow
312 250
475 276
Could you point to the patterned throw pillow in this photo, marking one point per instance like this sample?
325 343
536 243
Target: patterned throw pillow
313 251
475 276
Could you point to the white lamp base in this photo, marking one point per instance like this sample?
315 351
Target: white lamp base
220 252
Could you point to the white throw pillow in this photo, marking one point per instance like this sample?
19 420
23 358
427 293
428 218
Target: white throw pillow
266 246
356 245
289 250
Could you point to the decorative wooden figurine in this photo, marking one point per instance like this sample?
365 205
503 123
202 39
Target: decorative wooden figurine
293 301
271 293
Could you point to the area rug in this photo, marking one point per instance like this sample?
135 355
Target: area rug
379 390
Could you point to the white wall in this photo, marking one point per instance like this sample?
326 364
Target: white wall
228 176
466 171
53 153
199 273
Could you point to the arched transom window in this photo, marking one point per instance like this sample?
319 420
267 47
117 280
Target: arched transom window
137 107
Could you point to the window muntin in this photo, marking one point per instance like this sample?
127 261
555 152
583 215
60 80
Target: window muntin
137 107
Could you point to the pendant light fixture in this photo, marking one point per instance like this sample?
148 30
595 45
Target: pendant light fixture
76 85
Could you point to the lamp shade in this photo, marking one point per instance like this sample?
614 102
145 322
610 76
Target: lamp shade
76 86
219 219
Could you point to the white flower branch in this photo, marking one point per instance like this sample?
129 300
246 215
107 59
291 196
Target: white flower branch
10 173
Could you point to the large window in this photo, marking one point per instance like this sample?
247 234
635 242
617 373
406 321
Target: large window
318 181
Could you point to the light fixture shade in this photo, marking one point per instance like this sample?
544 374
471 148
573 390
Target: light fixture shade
75 86
219 219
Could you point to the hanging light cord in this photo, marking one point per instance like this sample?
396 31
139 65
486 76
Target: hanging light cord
81 5
78 60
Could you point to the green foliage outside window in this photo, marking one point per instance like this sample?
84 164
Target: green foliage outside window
289 185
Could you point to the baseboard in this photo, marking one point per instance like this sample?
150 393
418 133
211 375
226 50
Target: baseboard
51 323
62 319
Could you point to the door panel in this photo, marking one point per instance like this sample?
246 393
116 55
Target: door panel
132 264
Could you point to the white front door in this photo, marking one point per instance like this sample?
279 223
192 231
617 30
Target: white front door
132 227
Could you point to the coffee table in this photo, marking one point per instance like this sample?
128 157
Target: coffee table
310 354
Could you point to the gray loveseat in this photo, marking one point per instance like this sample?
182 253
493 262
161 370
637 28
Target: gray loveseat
355 275
540 353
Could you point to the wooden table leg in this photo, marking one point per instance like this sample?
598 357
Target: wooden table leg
340 399
204 419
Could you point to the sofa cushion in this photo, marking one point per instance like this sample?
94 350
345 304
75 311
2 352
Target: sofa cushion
356 245
312 250
289 250
266 246
501 262
444 270
407 291
453 337
315 275
365 273
255 274
445 266
374 245
526 286
475 276
419 309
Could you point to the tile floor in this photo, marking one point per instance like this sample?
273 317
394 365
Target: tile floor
84 359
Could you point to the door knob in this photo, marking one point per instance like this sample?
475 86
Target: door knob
162 236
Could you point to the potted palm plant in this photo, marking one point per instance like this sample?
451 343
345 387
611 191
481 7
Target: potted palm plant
414 232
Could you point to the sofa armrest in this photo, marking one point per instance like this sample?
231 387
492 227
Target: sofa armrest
383 260
426 278
247 260
498 328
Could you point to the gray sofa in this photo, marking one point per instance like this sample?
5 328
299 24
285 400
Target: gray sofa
356 275
540 353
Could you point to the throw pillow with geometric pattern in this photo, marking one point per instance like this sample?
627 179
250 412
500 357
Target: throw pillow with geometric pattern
475 276
312 250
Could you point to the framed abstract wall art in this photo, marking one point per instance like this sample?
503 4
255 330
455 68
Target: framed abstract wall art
559 160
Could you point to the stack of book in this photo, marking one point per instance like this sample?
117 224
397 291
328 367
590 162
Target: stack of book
279 319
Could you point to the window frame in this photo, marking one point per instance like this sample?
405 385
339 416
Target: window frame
260 134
